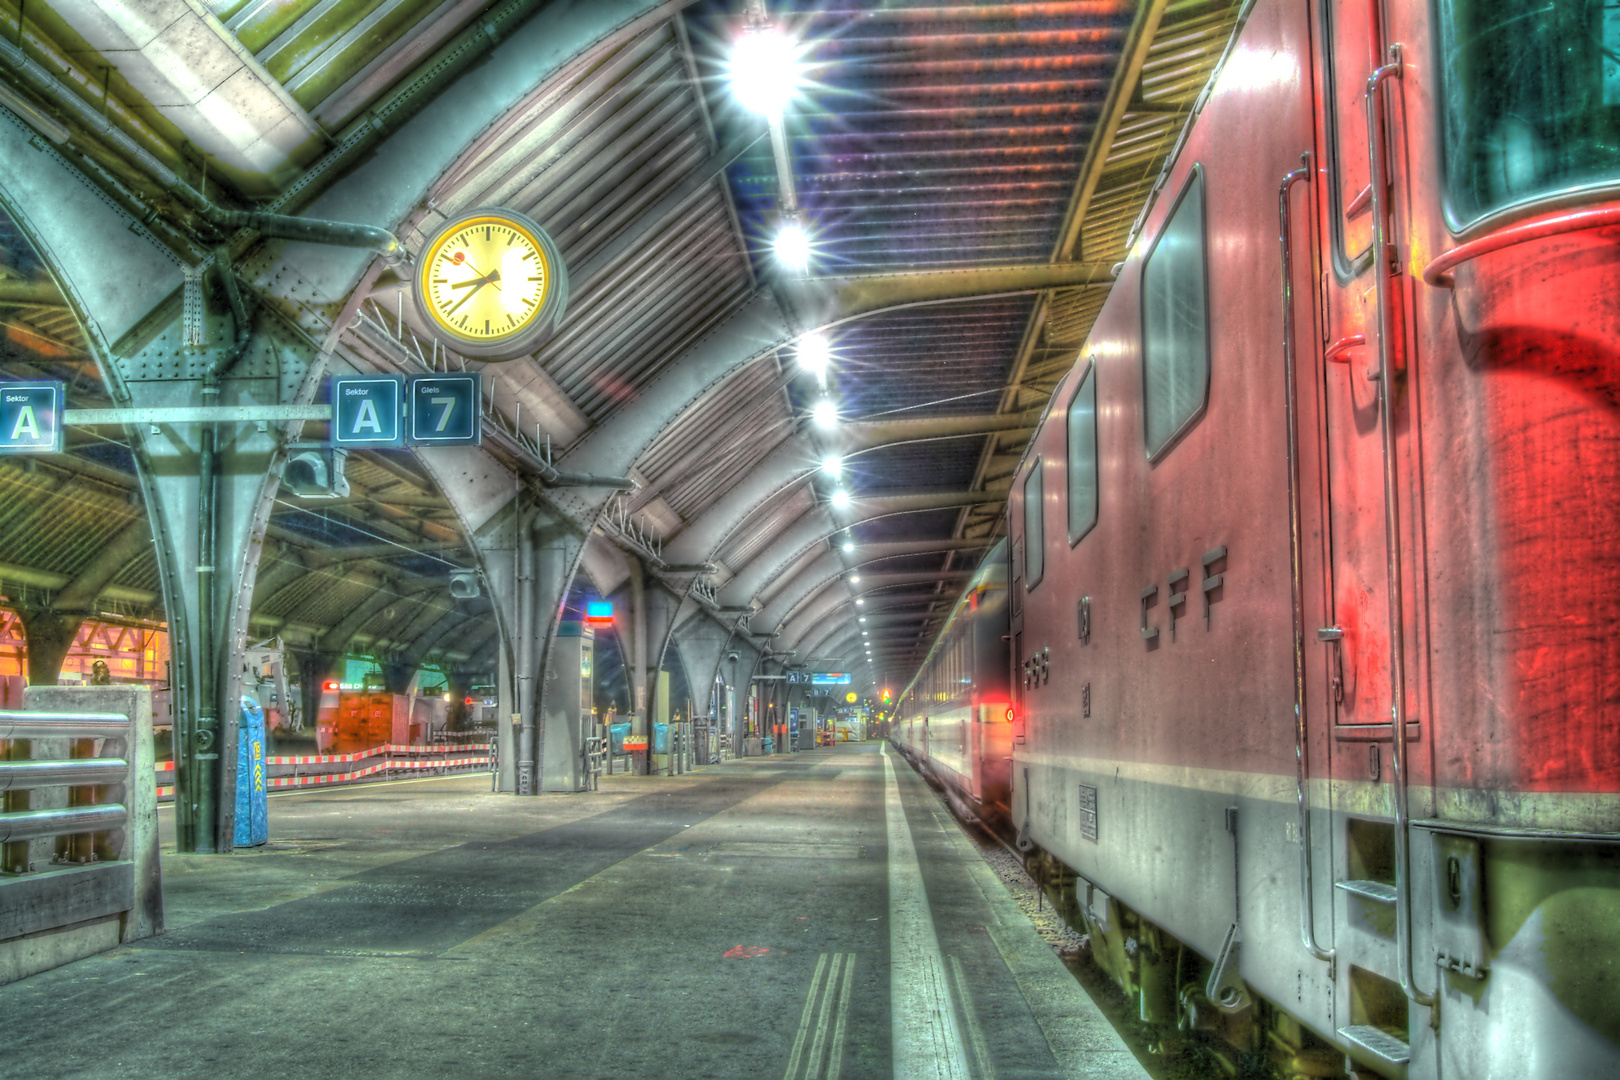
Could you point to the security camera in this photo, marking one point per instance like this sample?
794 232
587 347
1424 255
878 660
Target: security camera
463 584
314 471
734 657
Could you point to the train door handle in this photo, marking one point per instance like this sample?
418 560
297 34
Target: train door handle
1334 636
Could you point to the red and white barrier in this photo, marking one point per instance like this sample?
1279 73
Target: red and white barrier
166 791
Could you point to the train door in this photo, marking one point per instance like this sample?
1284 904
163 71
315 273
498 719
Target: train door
1366 404
1355 638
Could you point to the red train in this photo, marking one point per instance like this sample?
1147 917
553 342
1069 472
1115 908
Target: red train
1315 567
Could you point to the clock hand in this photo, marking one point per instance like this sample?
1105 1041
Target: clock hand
488 279
479 284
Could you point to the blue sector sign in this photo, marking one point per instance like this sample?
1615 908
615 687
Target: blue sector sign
366 410
31 417
829 678
444 409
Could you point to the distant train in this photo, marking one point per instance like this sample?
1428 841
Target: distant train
956 716
1314 562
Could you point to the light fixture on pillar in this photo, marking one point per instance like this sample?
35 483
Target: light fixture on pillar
814 354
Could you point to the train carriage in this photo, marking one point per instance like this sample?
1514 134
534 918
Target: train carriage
1313 558
955 717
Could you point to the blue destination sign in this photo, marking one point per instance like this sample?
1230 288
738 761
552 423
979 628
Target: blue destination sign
366 410
444 409
31 417
829 678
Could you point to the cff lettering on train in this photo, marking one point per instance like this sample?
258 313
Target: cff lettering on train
1313 565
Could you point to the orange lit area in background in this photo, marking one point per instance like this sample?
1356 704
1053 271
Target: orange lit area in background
997 712
330 684
134 653
35 342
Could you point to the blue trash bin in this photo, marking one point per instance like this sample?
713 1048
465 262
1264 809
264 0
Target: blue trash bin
765 745
252 804
660 738
616 733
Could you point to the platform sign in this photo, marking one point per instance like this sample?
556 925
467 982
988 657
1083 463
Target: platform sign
829 678
366 410
31 417
444 409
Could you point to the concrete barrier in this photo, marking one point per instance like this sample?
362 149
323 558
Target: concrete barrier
86 876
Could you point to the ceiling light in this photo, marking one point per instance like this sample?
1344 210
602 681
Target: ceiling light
854 579
840 498
792 247
833 466
849 545
863 618
859 602
824 413
814 355
765 70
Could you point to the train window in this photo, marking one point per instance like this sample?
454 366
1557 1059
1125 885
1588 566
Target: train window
1175 322
1530 100
1034 530
1083 457
1352 55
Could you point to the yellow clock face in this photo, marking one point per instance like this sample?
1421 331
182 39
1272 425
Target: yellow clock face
486 282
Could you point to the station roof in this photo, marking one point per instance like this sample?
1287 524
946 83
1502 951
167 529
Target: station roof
928 136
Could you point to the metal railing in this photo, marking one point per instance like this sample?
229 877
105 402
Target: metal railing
89 827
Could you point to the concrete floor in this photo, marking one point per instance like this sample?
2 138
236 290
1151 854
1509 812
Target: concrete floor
776 917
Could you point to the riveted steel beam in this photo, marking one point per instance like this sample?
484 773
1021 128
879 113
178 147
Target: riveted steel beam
795 459
875 589
833 563
818 524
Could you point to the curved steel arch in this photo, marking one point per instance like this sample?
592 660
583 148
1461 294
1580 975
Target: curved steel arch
797 458
810 529
830 565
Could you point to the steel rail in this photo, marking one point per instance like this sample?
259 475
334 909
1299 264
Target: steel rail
1438 272
25 775
1296 566
1382 269
49 725
34 824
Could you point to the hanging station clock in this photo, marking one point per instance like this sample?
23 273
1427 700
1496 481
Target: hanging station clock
491 284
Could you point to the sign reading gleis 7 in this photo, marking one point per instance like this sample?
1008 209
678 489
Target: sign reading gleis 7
31 417
421 410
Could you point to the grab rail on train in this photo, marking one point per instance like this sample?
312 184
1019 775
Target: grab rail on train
1438 272
1307 898
1383 269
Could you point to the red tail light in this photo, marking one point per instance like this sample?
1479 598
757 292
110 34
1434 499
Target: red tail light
329 685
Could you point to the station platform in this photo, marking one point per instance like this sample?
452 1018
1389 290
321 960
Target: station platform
818 915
